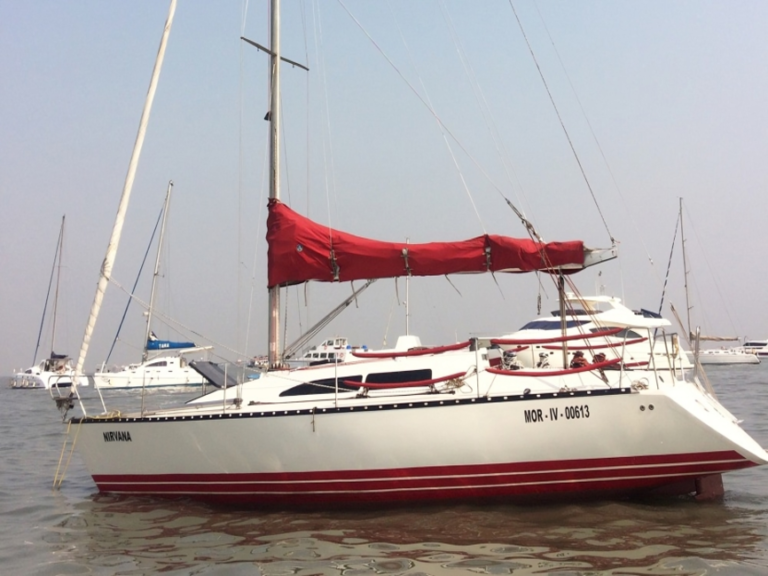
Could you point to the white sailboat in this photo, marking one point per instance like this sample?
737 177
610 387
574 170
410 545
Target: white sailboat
163 362
710 356
56 370
416 424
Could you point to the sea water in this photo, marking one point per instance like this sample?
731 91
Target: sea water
76 530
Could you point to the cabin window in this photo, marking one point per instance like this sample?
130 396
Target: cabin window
399 377
324 355
626 333
324 386
157 364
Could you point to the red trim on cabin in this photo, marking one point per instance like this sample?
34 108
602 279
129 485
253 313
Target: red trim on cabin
413 352
548 372
607 332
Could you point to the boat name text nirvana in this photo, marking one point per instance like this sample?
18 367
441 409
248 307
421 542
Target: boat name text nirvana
117 436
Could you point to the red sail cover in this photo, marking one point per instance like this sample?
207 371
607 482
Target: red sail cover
301 250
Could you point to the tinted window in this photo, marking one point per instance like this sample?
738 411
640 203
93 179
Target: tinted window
399 377
325 386
626 333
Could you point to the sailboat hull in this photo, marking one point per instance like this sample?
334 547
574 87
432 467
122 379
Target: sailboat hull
423 449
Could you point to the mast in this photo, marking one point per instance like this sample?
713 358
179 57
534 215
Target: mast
563 318
114 241
685 274
56 293
56 258
273 330
157 269
407 300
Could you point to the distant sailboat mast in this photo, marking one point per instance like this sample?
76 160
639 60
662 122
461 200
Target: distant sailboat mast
56 262
56 293
114 241
156 273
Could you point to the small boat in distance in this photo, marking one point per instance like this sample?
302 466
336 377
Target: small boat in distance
55 371
336 349
725 356
166 368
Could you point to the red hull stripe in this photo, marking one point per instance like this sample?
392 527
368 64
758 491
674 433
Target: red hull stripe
434 483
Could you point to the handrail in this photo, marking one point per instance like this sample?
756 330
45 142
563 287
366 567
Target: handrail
607 332
548 372
416 352
599 346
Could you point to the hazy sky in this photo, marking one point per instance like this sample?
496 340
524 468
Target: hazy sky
659 99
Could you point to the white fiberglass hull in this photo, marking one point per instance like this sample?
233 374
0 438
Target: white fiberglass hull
46 380
723 357
421 448
150 375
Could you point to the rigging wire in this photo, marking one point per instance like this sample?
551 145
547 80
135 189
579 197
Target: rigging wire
597 143
136 282
48 293
711 271
172 322
439 125
240 171
669 265
562 124
529 227
482 101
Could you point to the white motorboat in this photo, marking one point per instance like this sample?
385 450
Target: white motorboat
757 347
330 350
594 325
723 356
423 424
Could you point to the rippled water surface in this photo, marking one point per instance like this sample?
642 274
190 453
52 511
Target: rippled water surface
75 530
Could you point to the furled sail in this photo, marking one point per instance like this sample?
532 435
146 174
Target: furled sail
301 250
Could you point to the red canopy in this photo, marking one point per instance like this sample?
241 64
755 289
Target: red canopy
301 250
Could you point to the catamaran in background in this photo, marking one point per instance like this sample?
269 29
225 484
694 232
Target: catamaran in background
163 363
166 366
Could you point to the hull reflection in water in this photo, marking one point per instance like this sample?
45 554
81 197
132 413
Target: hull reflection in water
613 538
